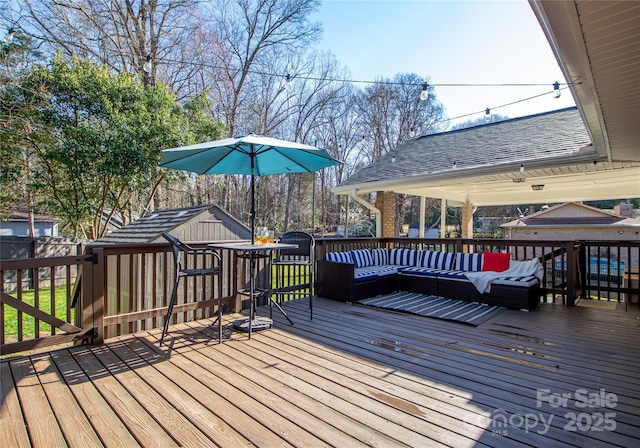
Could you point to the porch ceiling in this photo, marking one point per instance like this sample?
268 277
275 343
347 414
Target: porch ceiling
610 180
597 44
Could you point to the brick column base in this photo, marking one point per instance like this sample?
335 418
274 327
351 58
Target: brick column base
386 203
467 220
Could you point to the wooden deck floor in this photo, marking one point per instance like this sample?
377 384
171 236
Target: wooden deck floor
354 376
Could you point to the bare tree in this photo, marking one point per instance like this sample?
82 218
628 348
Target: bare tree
250 31
493 118
393 112
126 35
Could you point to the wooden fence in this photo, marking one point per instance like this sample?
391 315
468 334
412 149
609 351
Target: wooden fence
124 288
21 247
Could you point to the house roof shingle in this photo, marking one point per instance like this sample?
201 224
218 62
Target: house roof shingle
541 136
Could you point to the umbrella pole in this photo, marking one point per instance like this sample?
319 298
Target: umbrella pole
252 155
253 205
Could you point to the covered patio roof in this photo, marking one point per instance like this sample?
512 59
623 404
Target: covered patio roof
501 163
591 153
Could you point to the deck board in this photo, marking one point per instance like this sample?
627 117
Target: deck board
352 376
505 390
73 422
13 430
40 420
109 428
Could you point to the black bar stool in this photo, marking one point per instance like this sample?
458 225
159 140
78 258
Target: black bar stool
179 248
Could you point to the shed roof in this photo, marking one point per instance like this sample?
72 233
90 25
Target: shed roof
149 228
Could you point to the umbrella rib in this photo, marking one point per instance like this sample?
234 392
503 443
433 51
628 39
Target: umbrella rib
273 148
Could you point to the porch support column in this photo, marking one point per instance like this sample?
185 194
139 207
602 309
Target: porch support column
467 220
386 203
443 218
423 206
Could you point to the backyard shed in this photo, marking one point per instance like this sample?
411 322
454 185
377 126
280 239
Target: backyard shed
130 288
201 223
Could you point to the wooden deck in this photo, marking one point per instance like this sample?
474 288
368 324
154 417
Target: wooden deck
354 376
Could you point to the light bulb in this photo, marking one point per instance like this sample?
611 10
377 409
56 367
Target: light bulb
487 115
424 94
556 89
9 37
147 66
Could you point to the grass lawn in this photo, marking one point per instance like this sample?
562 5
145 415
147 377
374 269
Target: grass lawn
28 322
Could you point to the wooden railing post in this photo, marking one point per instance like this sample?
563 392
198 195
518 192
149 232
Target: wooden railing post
92 306
574 288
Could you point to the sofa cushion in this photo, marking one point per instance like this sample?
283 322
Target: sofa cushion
361 258
380 257
423 272
403 257
437 260
468 262
453 275
340 257
376 271
522 282
492 261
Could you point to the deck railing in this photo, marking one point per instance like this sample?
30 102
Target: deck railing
119 289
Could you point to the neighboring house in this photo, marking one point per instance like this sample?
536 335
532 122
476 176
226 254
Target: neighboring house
201 223
17 224
576 221
573 221
429 231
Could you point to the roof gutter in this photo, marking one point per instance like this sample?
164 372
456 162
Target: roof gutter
359 200
584 155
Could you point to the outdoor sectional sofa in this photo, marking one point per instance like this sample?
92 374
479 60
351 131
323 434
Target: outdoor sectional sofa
487 278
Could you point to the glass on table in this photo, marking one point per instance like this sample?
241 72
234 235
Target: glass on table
264 235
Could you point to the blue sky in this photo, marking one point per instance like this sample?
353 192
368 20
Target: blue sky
450 42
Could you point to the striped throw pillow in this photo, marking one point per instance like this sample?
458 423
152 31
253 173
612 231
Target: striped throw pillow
361 258
403 257
469 262
438 260
380 257
340 257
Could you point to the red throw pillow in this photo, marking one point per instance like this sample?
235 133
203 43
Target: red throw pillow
495 262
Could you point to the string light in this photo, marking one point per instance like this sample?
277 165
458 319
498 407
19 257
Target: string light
147 66
10 33
424 94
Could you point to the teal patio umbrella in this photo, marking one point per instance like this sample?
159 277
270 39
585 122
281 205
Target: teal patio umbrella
250 155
